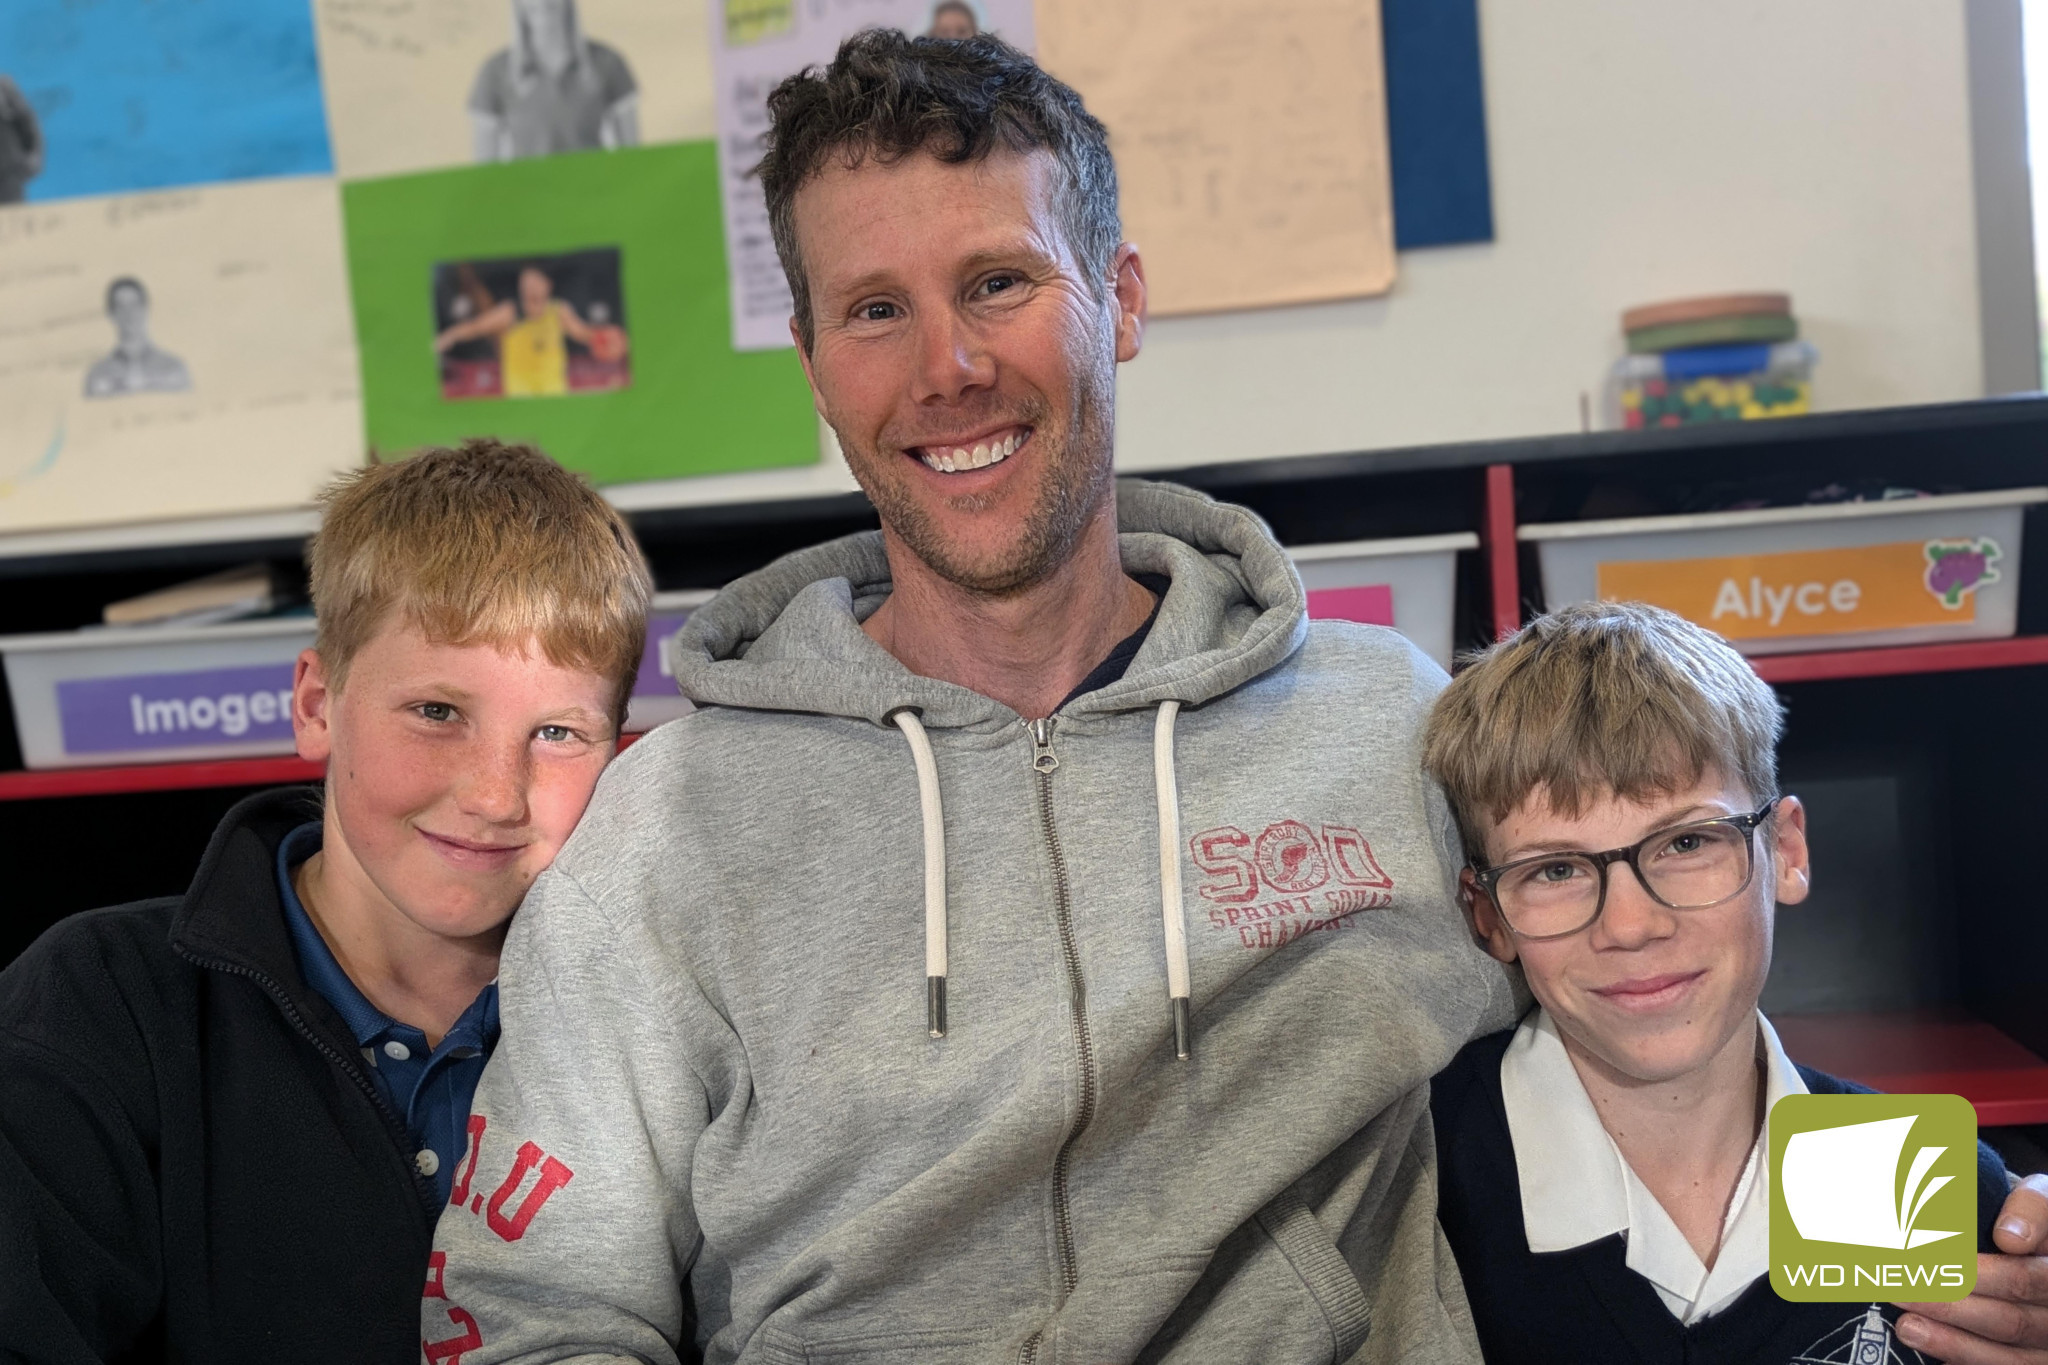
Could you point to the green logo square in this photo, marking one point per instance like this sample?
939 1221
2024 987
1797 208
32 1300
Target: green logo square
1873 1197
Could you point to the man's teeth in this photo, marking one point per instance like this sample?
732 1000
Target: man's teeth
982 456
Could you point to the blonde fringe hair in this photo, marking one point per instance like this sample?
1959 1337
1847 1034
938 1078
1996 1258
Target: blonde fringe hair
1595 699
487 543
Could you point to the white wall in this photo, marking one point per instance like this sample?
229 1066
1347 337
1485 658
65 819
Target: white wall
1641 150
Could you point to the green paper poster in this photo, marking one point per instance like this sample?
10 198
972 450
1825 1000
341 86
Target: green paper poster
578 302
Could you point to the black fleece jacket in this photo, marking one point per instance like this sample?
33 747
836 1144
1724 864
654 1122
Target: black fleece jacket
194 1163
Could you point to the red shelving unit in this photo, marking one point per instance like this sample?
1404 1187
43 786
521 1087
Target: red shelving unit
1928 1053
1877 663
1503 567
157 777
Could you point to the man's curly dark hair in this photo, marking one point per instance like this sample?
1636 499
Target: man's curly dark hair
890 96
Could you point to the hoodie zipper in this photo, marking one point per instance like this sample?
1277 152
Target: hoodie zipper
425 1190
1044 761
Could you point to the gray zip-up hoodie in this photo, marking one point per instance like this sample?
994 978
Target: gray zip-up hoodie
719 1062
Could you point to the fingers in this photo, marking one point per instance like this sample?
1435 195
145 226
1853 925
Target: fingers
2005 1322
2022 1227
1946 1343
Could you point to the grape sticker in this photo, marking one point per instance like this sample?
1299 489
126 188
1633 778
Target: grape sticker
1957 568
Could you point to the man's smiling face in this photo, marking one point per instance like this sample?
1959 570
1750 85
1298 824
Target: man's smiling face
965 357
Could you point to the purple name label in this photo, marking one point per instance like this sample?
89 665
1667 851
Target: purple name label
176 710
654 678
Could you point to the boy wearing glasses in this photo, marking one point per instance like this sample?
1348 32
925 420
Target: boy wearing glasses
1613 771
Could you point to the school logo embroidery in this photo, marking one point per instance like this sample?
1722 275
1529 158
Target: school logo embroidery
1288 880
1863 1340
1873 1193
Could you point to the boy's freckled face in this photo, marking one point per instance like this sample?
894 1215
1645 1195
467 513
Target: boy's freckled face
455 772
1651 992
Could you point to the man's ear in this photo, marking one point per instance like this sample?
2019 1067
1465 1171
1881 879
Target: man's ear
313 700
1127 280
803 356
1484 917
1792 860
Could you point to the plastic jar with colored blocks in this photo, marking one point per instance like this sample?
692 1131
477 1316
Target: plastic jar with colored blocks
1711 384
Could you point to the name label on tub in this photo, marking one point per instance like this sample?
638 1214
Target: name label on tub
1371 604
247 704
1816 592
655 679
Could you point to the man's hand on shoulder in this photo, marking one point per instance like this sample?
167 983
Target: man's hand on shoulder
2005 1322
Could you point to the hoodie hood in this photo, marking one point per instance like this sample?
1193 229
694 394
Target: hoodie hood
788 637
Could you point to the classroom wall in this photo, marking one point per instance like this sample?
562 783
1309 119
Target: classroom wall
1641 149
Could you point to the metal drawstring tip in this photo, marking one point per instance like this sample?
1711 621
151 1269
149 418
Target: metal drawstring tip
935 1005
1180 1027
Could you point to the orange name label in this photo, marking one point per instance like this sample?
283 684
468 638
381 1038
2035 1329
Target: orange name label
1815 592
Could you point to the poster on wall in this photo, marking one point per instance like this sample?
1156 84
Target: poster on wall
531 327
1250 138
576 301
180 353
117 96
754 45
416 85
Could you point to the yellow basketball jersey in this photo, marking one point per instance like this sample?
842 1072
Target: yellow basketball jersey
535 356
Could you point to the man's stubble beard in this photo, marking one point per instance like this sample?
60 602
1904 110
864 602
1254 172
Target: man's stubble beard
1077 479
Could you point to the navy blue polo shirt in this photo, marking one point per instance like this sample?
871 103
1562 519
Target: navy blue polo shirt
429 1088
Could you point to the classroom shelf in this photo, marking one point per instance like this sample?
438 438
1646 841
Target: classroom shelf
2019 652
1923 1053
2024 651
165 777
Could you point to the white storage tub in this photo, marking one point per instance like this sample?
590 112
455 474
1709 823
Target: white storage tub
1833 576
142 694
1409 584
655 698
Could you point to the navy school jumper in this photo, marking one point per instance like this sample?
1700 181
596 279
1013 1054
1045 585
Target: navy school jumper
1585 1306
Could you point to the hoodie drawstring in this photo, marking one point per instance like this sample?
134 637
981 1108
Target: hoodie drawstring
1169 874
934 870
1172 914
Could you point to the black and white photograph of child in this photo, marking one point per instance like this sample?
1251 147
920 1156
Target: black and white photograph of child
21 142
531 327
953 19
136 364
554 89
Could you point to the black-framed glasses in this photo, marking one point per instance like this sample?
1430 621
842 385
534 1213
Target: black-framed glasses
1685 867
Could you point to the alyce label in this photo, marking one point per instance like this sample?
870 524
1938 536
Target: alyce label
176 710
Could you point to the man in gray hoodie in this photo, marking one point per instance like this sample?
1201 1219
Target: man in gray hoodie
1038 946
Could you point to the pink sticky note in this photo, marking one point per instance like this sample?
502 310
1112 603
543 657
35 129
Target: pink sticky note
1371 605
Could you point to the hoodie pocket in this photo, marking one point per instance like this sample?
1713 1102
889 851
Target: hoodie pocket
939 1346
1300 1237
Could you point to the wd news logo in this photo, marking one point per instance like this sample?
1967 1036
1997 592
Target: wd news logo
1873 1196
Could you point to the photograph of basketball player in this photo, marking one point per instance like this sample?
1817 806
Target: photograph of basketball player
532 328
553 90
21 142
135 365
953 19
